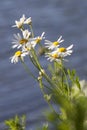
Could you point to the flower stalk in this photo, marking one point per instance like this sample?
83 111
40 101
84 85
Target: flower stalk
60 86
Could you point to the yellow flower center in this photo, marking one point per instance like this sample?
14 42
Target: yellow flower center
55 55
18 53
38 40
55 43
62 49
23 41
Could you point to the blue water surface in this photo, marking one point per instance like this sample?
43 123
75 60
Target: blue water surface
19 93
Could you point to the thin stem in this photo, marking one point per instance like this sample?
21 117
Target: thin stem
62 68
49 88
36 59
51 83
28 70
31 28
33 61
54 110
50 105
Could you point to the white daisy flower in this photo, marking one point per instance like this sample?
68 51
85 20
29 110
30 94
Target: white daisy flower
26 34
19 23
53 45
59 53
28 21
18 55
63 52
53 56
19 40
36 40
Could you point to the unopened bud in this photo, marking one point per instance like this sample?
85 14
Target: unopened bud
42 72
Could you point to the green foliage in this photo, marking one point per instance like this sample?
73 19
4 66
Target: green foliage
16 123
44 127
65 96
61 87
70 112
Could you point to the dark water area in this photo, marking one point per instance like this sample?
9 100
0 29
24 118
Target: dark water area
19 93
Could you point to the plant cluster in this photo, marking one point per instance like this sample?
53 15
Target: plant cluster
60 86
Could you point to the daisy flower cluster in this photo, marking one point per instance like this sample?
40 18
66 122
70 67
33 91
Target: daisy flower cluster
57 53
25 42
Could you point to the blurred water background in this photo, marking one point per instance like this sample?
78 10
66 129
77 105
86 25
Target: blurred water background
19 93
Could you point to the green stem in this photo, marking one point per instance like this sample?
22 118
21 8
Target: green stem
51 83
31 28
62 68
50 105
35 58
33 61
28 70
